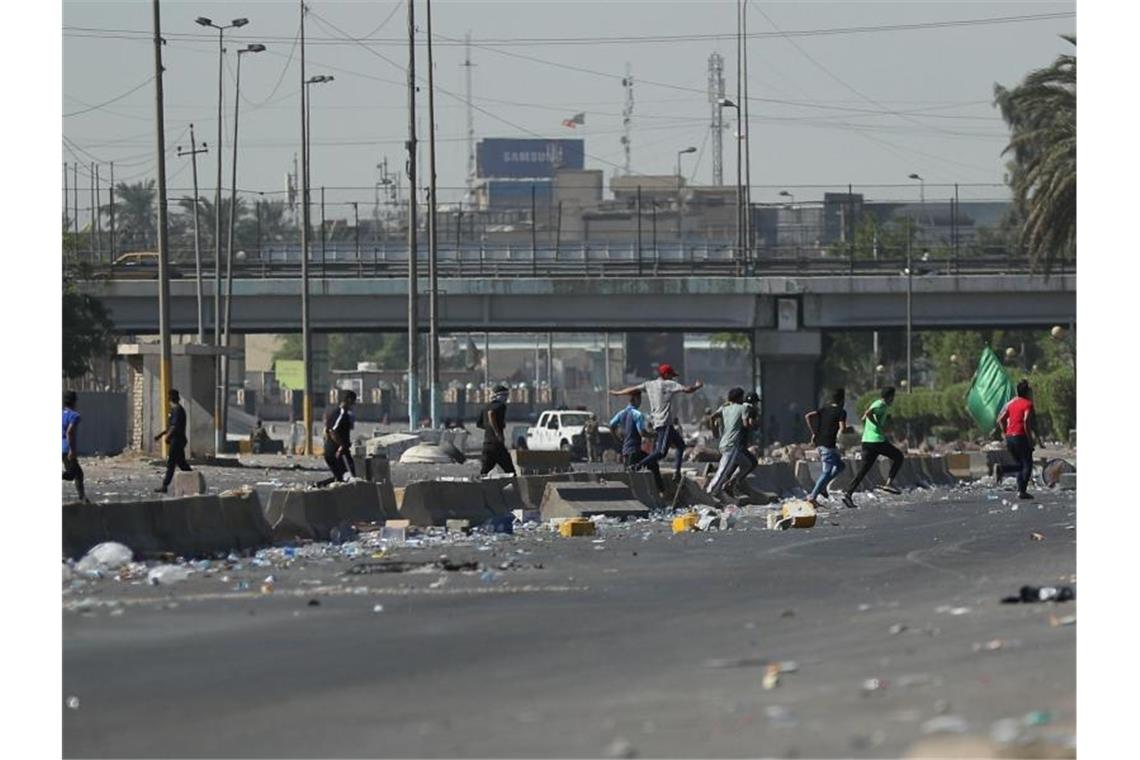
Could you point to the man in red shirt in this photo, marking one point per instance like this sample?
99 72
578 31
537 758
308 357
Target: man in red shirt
1016 421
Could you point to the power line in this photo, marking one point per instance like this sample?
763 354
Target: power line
137 87
111 33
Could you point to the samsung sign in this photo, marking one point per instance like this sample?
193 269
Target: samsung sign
508 157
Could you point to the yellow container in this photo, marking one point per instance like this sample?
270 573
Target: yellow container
686 522
576 526
801 514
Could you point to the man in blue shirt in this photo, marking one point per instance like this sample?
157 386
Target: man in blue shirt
629 424
71 469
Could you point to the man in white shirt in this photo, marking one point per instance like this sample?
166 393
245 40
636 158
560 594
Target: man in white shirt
660 393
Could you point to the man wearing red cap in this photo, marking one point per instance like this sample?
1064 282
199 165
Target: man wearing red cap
660 393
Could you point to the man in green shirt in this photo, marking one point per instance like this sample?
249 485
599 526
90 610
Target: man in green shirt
875 444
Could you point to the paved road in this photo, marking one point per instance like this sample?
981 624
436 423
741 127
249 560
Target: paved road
607 647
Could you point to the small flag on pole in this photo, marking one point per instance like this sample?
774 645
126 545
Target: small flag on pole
574 121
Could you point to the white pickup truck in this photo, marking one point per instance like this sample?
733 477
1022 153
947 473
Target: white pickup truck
557 430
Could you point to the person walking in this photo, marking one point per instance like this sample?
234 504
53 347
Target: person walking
661 392
875 444
71 469
339 422
493 420
176 440
590 431
1017 421
630 424
825 425
732 420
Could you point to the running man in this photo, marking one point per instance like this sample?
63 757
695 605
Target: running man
493 421
175 435
630 423
875 444
339 422
746 462
71 469
732 418
825 425
661 392
1017 421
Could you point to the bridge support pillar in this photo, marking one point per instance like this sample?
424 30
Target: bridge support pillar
787 362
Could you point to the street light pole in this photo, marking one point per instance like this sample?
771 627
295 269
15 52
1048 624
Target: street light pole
193 153
680 202
909 322
306 327
219 398
252 48
726 103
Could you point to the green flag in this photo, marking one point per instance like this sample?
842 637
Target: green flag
989 391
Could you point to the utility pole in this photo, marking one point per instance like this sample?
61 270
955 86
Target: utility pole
716 93
75 197
909 299
467 65
748 242
163 271
111 202
550 365
433 233
91 215
66 221
739 138
306 327
413 285
98 228
193 153
627 117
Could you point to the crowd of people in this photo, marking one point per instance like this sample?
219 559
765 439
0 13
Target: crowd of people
736 424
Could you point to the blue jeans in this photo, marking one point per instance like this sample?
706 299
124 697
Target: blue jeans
667 436
833 464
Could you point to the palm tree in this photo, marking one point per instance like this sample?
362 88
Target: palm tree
135 224
1042 116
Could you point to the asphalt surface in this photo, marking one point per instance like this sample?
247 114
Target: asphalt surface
634 642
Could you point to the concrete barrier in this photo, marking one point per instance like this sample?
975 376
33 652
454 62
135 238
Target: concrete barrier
909 476
501 496
82 528
641 483
532 487
588 499
937 471
245 521
192 526
529 462
807 473
191 483
778 477
1067 481
312 514
434 502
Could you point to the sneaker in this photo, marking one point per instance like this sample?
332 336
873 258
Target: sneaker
823 494
1025 495
848 501
160 489
887 487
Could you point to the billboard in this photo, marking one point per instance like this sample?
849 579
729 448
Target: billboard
515 158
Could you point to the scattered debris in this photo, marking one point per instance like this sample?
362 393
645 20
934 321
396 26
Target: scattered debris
1032 594
166 575
620 748
771 676
871 685
102 558
1036 536
1056 622
896 629
73 703
950 724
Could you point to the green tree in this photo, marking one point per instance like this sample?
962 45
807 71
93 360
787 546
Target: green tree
136 227
86 323
1042 116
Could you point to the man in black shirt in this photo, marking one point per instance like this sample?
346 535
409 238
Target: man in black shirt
825 425
175 435
493 421
338 439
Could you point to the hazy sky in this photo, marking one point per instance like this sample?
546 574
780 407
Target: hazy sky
867 108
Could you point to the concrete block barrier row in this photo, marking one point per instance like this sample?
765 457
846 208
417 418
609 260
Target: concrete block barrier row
434 502
191 526
528 462
916 472
312 514
570 499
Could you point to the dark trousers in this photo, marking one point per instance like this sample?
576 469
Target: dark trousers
639 457
871 452
72 471
666 436
338 466
497 454
745 464
175 458
1021 450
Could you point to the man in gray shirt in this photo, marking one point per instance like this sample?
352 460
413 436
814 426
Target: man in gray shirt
732 415
660 393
